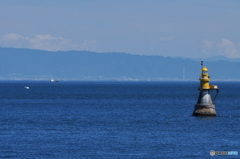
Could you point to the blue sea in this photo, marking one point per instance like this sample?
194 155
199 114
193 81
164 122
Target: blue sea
129 120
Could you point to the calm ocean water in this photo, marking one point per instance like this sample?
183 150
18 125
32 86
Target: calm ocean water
95 120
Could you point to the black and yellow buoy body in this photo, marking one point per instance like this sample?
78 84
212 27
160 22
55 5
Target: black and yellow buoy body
205 105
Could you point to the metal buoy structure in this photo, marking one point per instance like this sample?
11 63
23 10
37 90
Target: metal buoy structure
205 105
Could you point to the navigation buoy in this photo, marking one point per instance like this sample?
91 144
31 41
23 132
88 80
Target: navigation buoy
205 105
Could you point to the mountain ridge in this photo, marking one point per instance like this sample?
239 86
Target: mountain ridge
86 65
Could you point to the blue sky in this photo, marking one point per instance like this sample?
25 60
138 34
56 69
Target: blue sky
186 28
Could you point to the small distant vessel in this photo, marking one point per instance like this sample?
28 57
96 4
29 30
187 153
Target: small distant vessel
26 87
52 80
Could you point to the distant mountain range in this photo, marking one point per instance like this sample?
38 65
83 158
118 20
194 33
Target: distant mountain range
216 58
22 64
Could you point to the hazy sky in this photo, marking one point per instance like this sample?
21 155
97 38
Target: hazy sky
187 28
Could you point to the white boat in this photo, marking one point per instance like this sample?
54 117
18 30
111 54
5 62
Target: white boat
52 80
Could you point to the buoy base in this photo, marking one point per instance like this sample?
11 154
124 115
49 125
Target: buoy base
204 110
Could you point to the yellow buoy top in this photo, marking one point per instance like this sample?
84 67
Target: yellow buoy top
204 79
204 69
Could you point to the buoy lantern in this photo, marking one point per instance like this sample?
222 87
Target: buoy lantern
205 105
